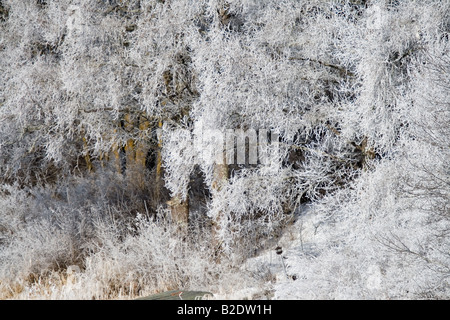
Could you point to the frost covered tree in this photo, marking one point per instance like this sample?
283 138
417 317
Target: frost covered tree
262 69
234 120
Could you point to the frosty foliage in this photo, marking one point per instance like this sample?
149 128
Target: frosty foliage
117 115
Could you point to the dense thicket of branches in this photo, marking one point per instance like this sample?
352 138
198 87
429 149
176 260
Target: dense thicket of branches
108 113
